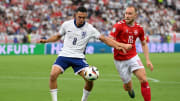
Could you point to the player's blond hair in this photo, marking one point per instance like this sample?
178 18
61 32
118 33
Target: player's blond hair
132 6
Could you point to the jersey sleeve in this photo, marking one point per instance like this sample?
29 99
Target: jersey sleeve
115 30
96 34
141 36
62 29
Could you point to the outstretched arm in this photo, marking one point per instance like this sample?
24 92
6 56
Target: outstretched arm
146 54
51 39
111 42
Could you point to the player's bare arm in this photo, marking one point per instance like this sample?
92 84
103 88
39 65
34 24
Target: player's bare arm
123 45
115 44
122 49
51 39
146 54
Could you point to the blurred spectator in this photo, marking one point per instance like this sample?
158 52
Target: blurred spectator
29 38
163 38
178 7
25 39
168 38
15 40
147 38
44 17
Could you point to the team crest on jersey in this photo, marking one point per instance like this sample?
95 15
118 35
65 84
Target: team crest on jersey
113 30
135 32
83 35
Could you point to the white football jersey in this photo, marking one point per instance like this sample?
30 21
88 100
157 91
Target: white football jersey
76 39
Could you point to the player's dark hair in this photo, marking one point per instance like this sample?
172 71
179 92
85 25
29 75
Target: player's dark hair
135 8
81 9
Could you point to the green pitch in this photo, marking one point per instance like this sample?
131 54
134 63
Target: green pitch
25 78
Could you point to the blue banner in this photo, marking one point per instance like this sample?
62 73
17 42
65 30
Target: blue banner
157 47
99 47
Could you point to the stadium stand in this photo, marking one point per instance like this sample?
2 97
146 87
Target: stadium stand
23 21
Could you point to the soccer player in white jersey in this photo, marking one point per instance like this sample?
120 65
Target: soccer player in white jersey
77 33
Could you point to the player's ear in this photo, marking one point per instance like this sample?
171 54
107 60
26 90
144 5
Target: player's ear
136 15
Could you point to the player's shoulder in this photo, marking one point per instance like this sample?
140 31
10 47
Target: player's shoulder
89 26
121 22
68 22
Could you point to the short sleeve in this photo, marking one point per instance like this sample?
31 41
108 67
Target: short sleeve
115 30
62 29
141 36
96 34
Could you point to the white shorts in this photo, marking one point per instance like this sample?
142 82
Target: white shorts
126 67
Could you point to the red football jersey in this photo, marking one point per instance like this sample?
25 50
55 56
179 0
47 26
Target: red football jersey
123 33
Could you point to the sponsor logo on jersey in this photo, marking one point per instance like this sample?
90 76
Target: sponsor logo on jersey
114 30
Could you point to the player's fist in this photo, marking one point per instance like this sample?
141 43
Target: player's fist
121 49
43 41
149 65
128 46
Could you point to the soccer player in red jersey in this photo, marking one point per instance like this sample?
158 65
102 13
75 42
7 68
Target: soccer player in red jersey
127 31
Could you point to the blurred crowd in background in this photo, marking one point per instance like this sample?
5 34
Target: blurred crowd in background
43 18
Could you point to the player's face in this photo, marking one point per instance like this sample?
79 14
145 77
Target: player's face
80 18
130 15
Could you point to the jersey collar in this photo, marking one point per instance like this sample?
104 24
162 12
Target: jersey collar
80 25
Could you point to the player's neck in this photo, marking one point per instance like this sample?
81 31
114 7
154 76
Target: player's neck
131 24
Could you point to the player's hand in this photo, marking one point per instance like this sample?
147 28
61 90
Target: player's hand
43 41
149 65
121 49
128 46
